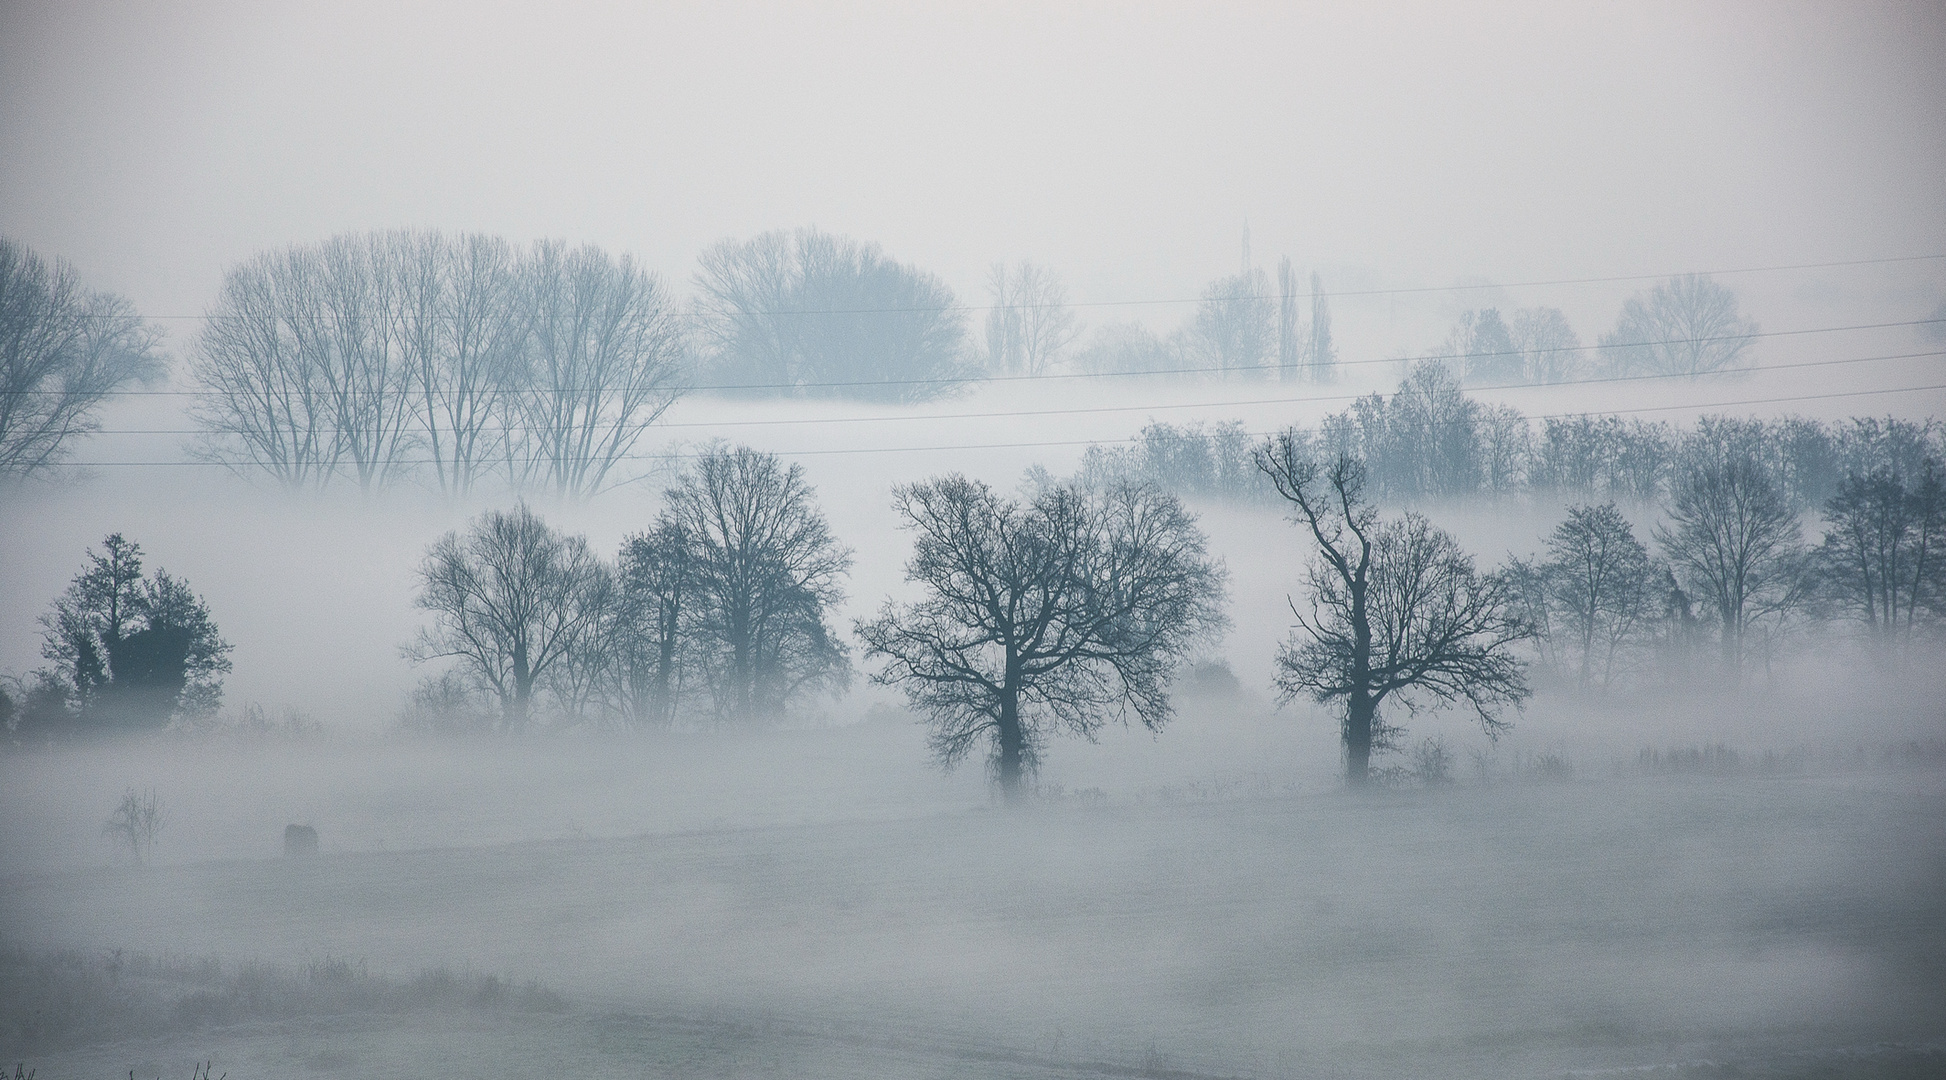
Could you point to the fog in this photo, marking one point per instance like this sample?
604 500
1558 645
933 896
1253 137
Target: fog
1701 866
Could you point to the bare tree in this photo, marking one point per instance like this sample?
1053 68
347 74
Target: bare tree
655 580
301 369
1052 616
1733 538
1599 584
264 403
1883 558
1029 324
1321 356
458 320
601 363
1235 326
1290 350
823 316
1397 610
63 351
763 574
511 599
1550 351
1687 325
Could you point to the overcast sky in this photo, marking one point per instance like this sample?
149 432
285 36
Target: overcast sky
155 144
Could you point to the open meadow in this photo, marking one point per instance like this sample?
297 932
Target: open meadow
1785 915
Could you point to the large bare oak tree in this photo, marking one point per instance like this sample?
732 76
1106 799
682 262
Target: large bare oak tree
1396 612
1054 615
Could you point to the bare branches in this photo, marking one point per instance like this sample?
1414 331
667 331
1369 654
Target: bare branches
361 354
1396 610
1051 616
63 350
1029 325
512 599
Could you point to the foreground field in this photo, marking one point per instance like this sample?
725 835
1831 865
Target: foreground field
1789 925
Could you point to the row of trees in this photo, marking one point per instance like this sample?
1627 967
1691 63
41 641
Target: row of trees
719 612
1731 562
1429 440
1686 325
372 356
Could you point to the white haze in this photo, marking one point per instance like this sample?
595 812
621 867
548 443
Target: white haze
1207 900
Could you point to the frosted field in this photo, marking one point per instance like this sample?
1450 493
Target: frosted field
817 912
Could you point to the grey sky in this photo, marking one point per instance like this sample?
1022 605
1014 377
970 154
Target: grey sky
155 144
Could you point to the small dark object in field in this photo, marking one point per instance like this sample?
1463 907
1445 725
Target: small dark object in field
300 840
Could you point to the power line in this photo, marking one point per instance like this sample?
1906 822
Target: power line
1552 349
1310 399
678 456
1397 291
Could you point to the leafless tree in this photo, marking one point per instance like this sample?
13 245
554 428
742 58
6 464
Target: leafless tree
1397 610
511 599
1029 324
1052 616
1290 350
1600 586
1321 356
1235 326
134 824
1883 558
301 369
1687 325
601 363
459 322
1733 538
1550 351
822 316
655 580
63 351
763 572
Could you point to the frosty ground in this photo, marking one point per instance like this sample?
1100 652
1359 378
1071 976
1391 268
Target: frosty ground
801 904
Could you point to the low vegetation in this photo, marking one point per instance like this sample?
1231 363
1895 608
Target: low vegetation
52 1000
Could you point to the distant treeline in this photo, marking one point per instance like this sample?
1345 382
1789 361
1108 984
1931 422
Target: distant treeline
453 359
1430 440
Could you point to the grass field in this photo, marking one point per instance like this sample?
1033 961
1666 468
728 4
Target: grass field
1782 925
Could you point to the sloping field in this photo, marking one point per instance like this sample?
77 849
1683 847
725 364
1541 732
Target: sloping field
1496 930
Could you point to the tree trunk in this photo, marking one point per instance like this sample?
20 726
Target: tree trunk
1361 708
1360 712
1012 744
523 689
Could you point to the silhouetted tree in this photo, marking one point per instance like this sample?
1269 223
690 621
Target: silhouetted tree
1290 349
656 610
763 574
1397 611
1029 325
806 313
63 351
1599 585
1687 325
1054 615
130 651
1733 539
512 599
1883 557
